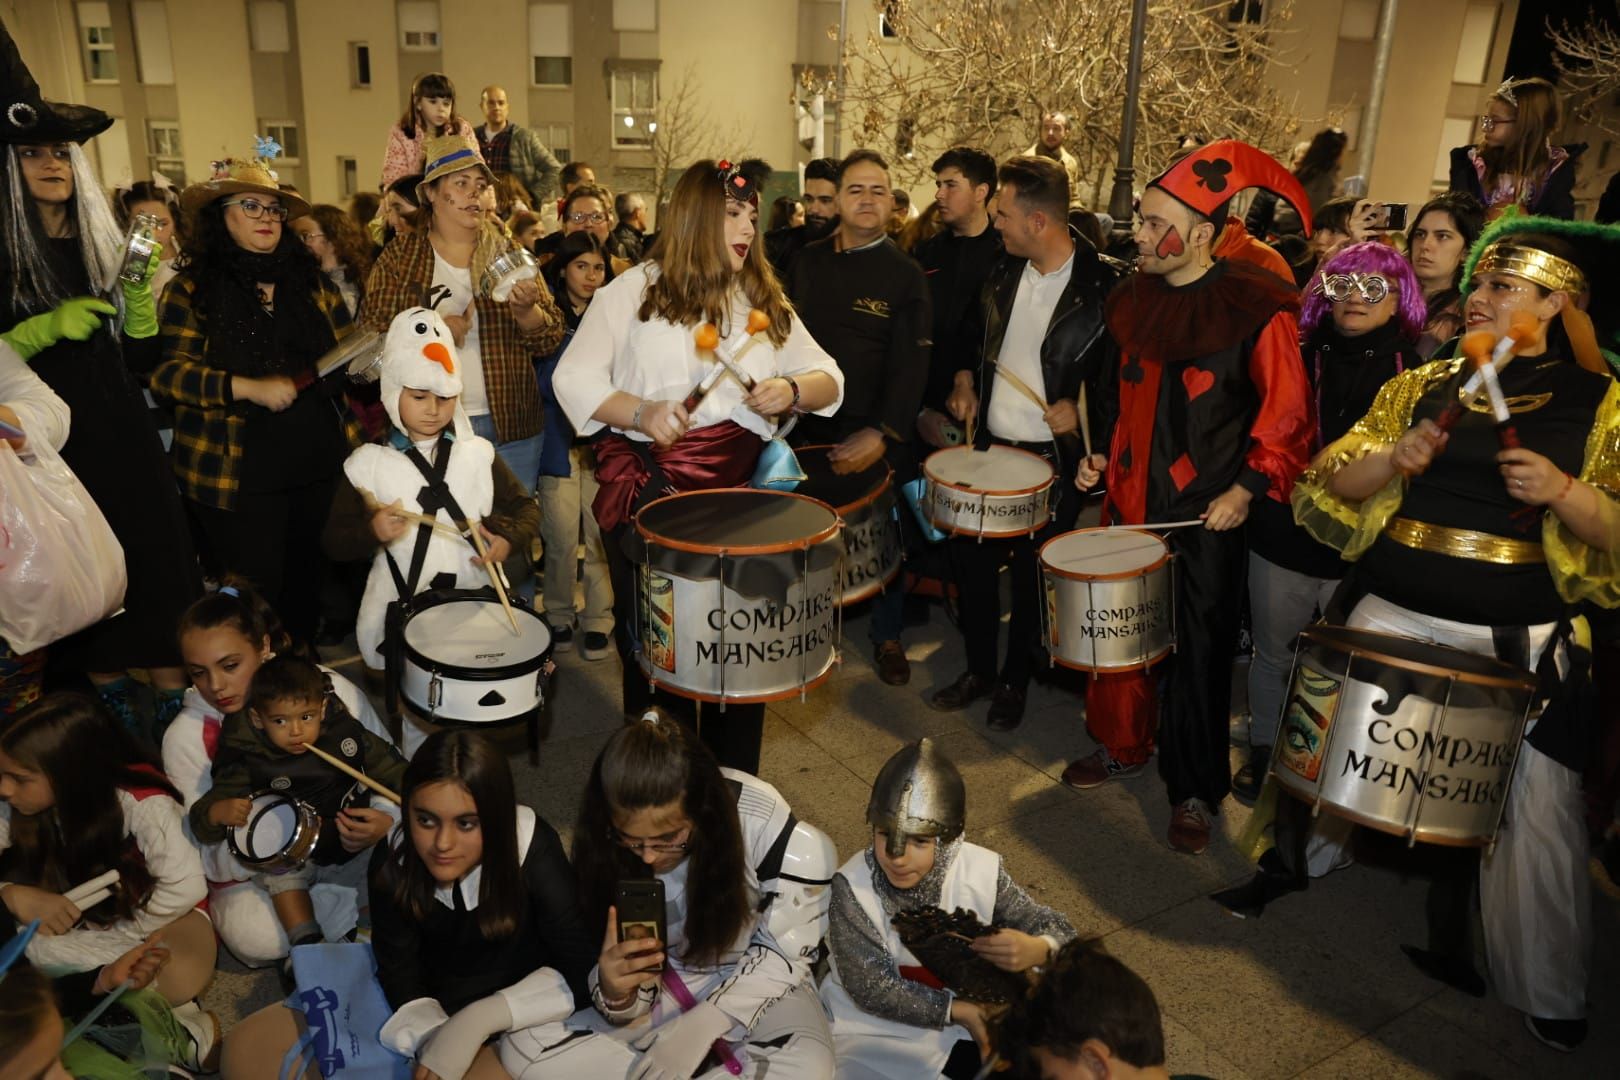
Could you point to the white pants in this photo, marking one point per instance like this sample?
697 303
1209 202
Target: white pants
246 919
805 1053
565 517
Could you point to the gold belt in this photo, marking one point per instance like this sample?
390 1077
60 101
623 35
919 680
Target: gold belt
1463 544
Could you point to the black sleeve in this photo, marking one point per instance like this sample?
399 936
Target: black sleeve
1463 176
142 355
909 347
1558 201
554 904
396 940
1262 212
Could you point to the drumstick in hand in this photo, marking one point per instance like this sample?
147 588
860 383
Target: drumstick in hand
373 505
343 766
1004 372
1085 420
494 575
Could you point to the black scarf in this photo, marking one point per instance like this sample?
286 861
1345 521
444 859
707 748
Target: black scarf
246 339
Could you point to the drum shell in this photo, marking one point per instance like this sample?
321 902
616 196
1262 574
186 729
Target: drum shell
990 514
1401 743
443 691
873 551
1109 622
299 847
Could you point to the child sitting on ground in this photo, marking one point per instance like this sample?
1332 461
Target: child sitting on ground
892 1016
290 707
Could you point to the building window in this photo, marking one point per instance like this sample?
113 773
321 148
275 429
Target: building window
150 19
163 149
348 177
96 43
551 45
267 26
553 71
359 65
558 138
1252 12
1358 20
635 16
419 25
284 132
635 102
1474 48
889 19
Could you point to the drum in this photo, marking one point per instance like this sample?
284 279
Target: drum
1110 599
280 835
505 271
460 662
737 593
865 501
360 354
1409 738
996 493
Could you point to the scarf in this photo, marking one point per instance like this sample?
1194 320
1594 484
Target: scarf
243 337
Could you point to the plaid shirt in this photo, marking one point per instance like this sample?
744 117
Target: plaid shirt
207 421
401 276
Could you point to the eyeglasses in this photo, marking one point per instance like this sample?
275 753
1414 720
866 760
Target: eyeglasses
253 210
1338 287
640 846
1486 123
579 217
309 236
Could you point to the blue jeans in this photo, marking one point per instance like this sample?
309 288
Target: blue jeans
888 612
521 456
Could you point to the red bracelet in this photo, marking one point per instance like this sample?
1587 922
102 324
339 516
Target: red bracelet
1569 482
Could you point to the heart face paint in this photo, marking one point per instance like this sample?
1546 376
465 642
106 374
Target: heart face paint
1170 245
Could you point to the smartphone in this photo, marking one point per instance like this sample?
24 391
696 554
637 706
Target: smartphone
1389 216
641 911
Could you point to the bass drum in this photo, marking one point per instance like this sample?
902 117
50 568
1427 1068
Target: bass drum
865 501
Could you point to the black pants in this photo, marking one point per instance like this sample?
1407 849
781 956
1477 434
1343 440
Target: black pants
733 736
274 540
1196 695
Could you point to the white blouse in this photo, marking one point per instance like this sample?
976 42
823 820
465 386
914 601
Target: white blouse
658 361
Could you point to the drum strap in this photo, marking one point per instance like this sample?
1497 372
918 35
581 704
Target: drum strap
434 496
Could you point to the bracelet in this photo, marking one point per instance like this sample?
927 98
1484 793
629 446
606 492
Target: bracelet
791 381
607 1004
1569 482
635 419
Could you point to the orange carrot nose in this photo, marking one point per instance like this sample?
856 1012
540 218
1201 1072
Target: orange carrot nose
436 352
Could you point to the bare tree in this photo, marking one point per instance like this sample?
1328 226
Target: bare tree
1588 60
983 71
683 131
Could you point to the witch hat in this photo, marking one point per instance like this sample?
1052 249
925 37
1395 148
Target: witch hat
1207 178
27 118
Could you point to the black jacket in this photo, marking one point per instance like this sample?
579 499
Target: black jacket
1556 197
956 268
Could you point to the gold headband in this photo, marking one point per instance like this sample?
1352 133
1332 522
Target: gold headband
1532 264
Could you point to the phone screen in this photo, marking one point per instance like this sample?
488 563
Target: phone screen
641 911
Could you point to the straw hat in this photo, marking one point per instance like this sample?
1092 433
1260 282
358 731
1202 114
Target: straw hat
446 154
231 177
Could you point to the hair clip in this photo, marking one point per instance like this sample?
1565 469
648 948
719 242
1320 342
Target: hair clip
738 186
1505 92
230 590
652 718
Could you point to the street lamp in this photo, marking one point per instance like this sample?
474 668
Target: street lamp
1119 202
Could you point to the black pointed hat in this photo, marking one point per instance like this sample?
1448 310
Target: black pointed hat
27 118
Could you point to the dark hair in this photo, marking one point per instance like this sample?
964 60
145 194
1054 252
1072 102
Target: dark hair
570 172
1042 185
570 248
1335 215
363 207
1327 147
210 254
823 168
146 191
522 221
1467 214
472 761
586 191
855 157
405 187
286 678
1086 224
430 84
756 169
86 756
655 763
27 1002
1087 994
509 191
352 249
974 164
782 210
902 198
238 605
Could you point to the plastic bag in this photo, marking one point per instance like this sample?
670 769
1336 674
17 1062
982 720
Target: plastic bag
61 567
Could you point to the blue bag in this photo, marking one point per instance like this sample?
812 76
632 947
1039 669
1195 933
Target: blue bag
343 1010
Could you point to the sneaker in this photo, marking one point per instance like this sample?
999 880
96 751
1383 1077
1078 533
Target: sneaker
1248 780
1006 708
201 1054
967 689
595 645
1096 769
892 665
562 638
1191 823
1562 1035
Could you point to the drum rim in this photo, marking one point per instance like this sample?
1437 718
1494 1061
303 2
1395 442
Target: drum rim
1112 669
1314 633
736 699
994 534
1313 793
844 509
302 810
514 670
1122 575
994 493
802 544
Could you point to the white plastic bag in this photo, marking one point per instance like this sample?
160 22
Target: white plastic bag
61 567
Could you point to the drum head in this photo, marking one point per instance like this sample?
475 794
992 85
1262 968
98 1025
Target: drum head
474 634
738 521
841 491
1102 553
272 824
1421 656
1004 469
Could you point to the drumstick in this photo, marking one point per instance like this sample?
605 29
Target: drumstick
95 1014
85 903
88 888
1002 371
494 576
1157 525
374 505
343 766
1085 421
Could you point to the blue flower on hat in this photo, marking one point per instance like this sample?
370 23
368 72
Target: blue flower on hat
266 147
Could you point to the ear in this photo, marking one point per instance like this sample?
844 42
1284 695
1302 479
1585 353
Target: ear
1553 305
266 651
1096 1058
1204 233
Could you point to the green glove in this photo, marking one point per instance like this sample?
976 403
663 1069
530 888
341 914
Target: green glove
74 319
140 308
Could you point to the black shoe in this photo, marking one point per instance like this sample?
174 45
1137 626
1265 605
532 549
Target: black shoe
1006 708
595 646
967 689
562 638
1273 881
1454 971
1562 1035
1248 780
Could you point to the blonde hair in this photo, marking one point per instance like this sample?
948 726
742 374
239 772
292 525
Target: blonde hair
1538 114
695 278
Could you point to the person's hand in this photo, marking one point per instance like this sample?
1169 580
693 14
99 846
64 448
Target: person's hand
360 827
7 416
1012 950
79 317
388 523
963 404
970 1014
770 397
664 422
139 966
1414 451
857 453
1363 221
1090 472
274 392
56 913
525 294
675 1050
460 324
230 813
497 548
140 306
1062 416
1228 510
624 967
1531 478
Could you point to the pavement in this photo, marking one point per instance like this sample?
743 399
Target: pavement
1315 988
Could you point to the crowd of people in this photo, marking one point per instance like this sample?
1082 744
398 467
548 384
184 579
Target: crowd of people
1283 387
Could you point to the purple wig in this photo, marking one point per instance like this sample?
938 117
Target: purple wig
1369 257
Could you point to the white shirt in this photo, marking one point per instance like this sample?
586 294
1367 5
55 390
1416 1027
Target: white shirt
1012 415
458 279
658 361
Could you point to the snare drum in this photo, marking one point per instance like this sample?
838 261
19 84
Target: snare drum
460 663
360 354
996 493
1409 738
1110 599
738 594
280 835
865 501
505 271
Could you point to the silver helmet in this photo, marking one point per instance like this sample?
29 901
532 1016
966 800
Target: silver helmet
918 793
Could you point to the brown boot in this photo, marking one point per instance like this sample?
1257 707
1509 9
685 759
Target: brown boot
892 665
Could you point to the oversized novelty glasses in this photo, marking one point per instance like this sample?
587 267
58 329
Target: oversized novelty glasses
1338 287
253 210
